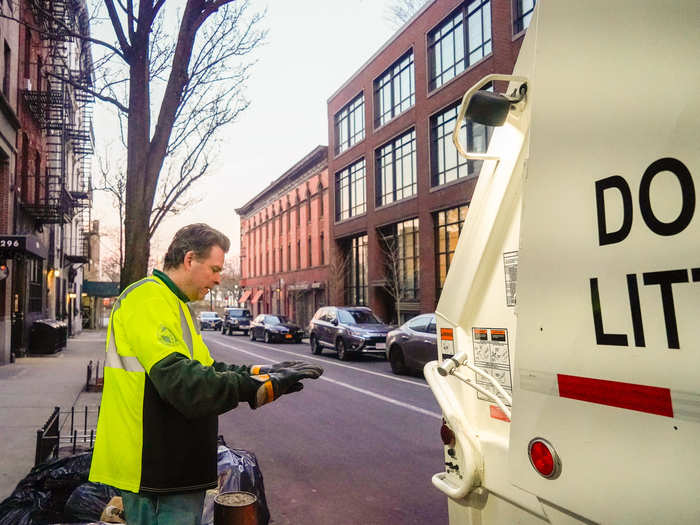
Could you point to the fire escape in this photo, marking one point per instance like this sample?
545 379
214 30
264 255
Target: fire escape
64 112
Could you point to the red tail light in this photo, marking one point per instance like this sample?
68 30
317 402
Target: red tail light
544 458
447 435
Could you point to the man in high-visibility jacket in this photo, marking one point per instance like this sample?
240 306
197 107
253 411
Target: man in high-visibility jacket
157 430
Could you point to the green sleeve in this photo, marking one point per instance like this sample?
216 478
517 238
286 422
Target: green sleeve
196 390
225 367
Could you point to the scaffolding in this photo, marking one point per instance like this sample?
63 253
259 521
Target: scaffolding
63 110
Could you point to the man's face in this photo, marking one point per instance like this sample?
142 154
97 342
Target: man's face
203 274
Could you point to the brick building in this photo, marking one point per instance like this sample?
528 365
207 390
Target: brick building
284 242
45 235
399 191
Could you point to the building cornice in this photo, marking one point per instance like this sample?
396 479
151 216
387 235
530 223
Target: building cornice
312 163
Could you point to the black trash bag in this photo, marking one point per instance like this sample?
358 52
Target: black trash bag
88 500
238 470
41 496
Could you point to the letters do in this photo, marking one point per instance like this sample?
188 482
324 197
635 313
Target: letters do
615 182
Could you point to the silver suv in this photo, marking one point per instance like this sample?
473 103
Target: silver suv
349 330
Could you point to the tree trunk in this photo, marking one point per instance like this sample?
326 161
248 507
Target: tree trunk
139 201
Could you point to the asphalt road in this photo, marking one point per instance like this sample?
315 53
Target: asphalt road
356 447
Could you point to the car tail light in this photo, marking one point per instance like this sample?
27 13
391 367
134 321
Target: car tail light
544 458
447 435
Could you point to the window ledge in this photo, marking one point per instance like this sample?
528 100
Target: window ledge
452 80
447 185
385 206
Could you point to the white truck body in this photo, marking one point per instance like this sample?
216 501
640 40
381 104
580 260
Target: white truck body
592 205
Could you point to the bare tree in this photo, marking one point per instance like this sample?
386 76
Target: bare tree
173 90
398 12
230 278
394 283
338 268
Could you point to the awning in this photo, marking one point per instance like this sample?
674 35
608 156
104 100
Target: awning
257 296
244 297
22 244
101 288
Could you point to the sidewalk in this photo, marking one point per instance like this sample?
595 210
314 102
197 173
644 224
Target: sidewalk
30 389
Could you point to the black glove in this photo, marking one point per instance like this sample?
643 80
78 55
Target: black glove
266 369
283 381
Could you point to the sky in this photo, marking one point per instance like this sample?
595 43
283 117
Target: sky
312 48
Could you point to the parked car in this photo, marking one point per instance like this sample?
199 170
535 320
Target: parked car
209 321
271 328
349 330
412 345
236 319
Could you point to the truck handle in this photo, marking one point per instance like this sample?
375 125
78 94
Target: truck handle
473 463
450 367
463 111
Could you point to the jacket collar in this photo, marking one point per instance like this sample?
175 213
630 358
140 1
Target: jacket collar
170 284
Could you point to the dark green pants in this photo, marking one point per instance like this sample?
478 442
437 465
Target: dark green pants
168 509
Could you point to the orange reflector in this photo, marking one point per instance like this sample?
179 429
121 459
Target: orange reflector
544 459
497 413
446 334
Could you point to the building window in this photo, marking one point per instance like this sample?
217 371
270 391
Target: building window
310 260
289 257
400 247
448 225
34 268
298 255
460 40
396 169
27 51
446 164
298 214
394 90
320 202
308 207
7 70
522 13
350 191
356 283
350 124
322 251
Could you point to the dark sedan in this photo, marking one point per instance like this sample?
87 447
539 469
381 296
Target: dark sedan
412 345
271 328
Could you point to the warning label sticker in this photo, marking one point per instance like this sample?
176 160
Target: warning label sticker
491 354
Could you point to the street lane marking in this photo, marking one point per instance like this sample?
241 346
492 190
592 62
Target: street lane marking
350 387
305 357
384 398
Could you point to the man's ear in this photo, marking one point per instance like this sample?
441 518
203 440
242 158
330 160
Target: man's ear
187 261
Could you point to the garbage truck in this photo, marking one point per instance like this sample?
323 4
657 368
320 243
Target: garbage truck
568 368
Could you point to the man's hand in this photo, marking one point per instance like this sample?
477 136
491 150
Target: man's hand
283 381
266 369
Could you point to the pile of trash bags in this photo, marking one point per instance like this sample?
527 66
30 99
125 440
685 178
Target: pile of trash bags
58 491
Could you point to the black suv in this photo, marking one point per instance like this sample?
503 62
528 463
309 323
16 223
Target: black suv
236 319
350 330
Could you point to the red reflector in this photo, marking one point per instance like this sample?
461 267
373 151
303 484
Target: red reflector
643 398
541 458
446 334
447 435
497 413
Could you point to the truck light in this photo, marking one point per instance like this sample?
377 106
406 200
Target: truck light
544 458
447 435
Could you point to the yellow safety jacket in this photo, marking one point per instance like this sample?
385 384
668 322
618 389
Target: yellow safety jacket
162 394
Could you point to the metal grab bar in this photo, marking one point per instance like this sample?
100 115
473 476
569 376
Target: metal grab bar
463 111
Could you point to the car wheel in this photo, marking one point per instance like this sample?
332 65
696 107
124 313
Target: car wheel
245 332
268 337
252 335
397 361
343 354
230 331
315 346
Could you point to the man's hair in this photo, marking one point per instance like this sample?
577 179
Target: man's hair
198 238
